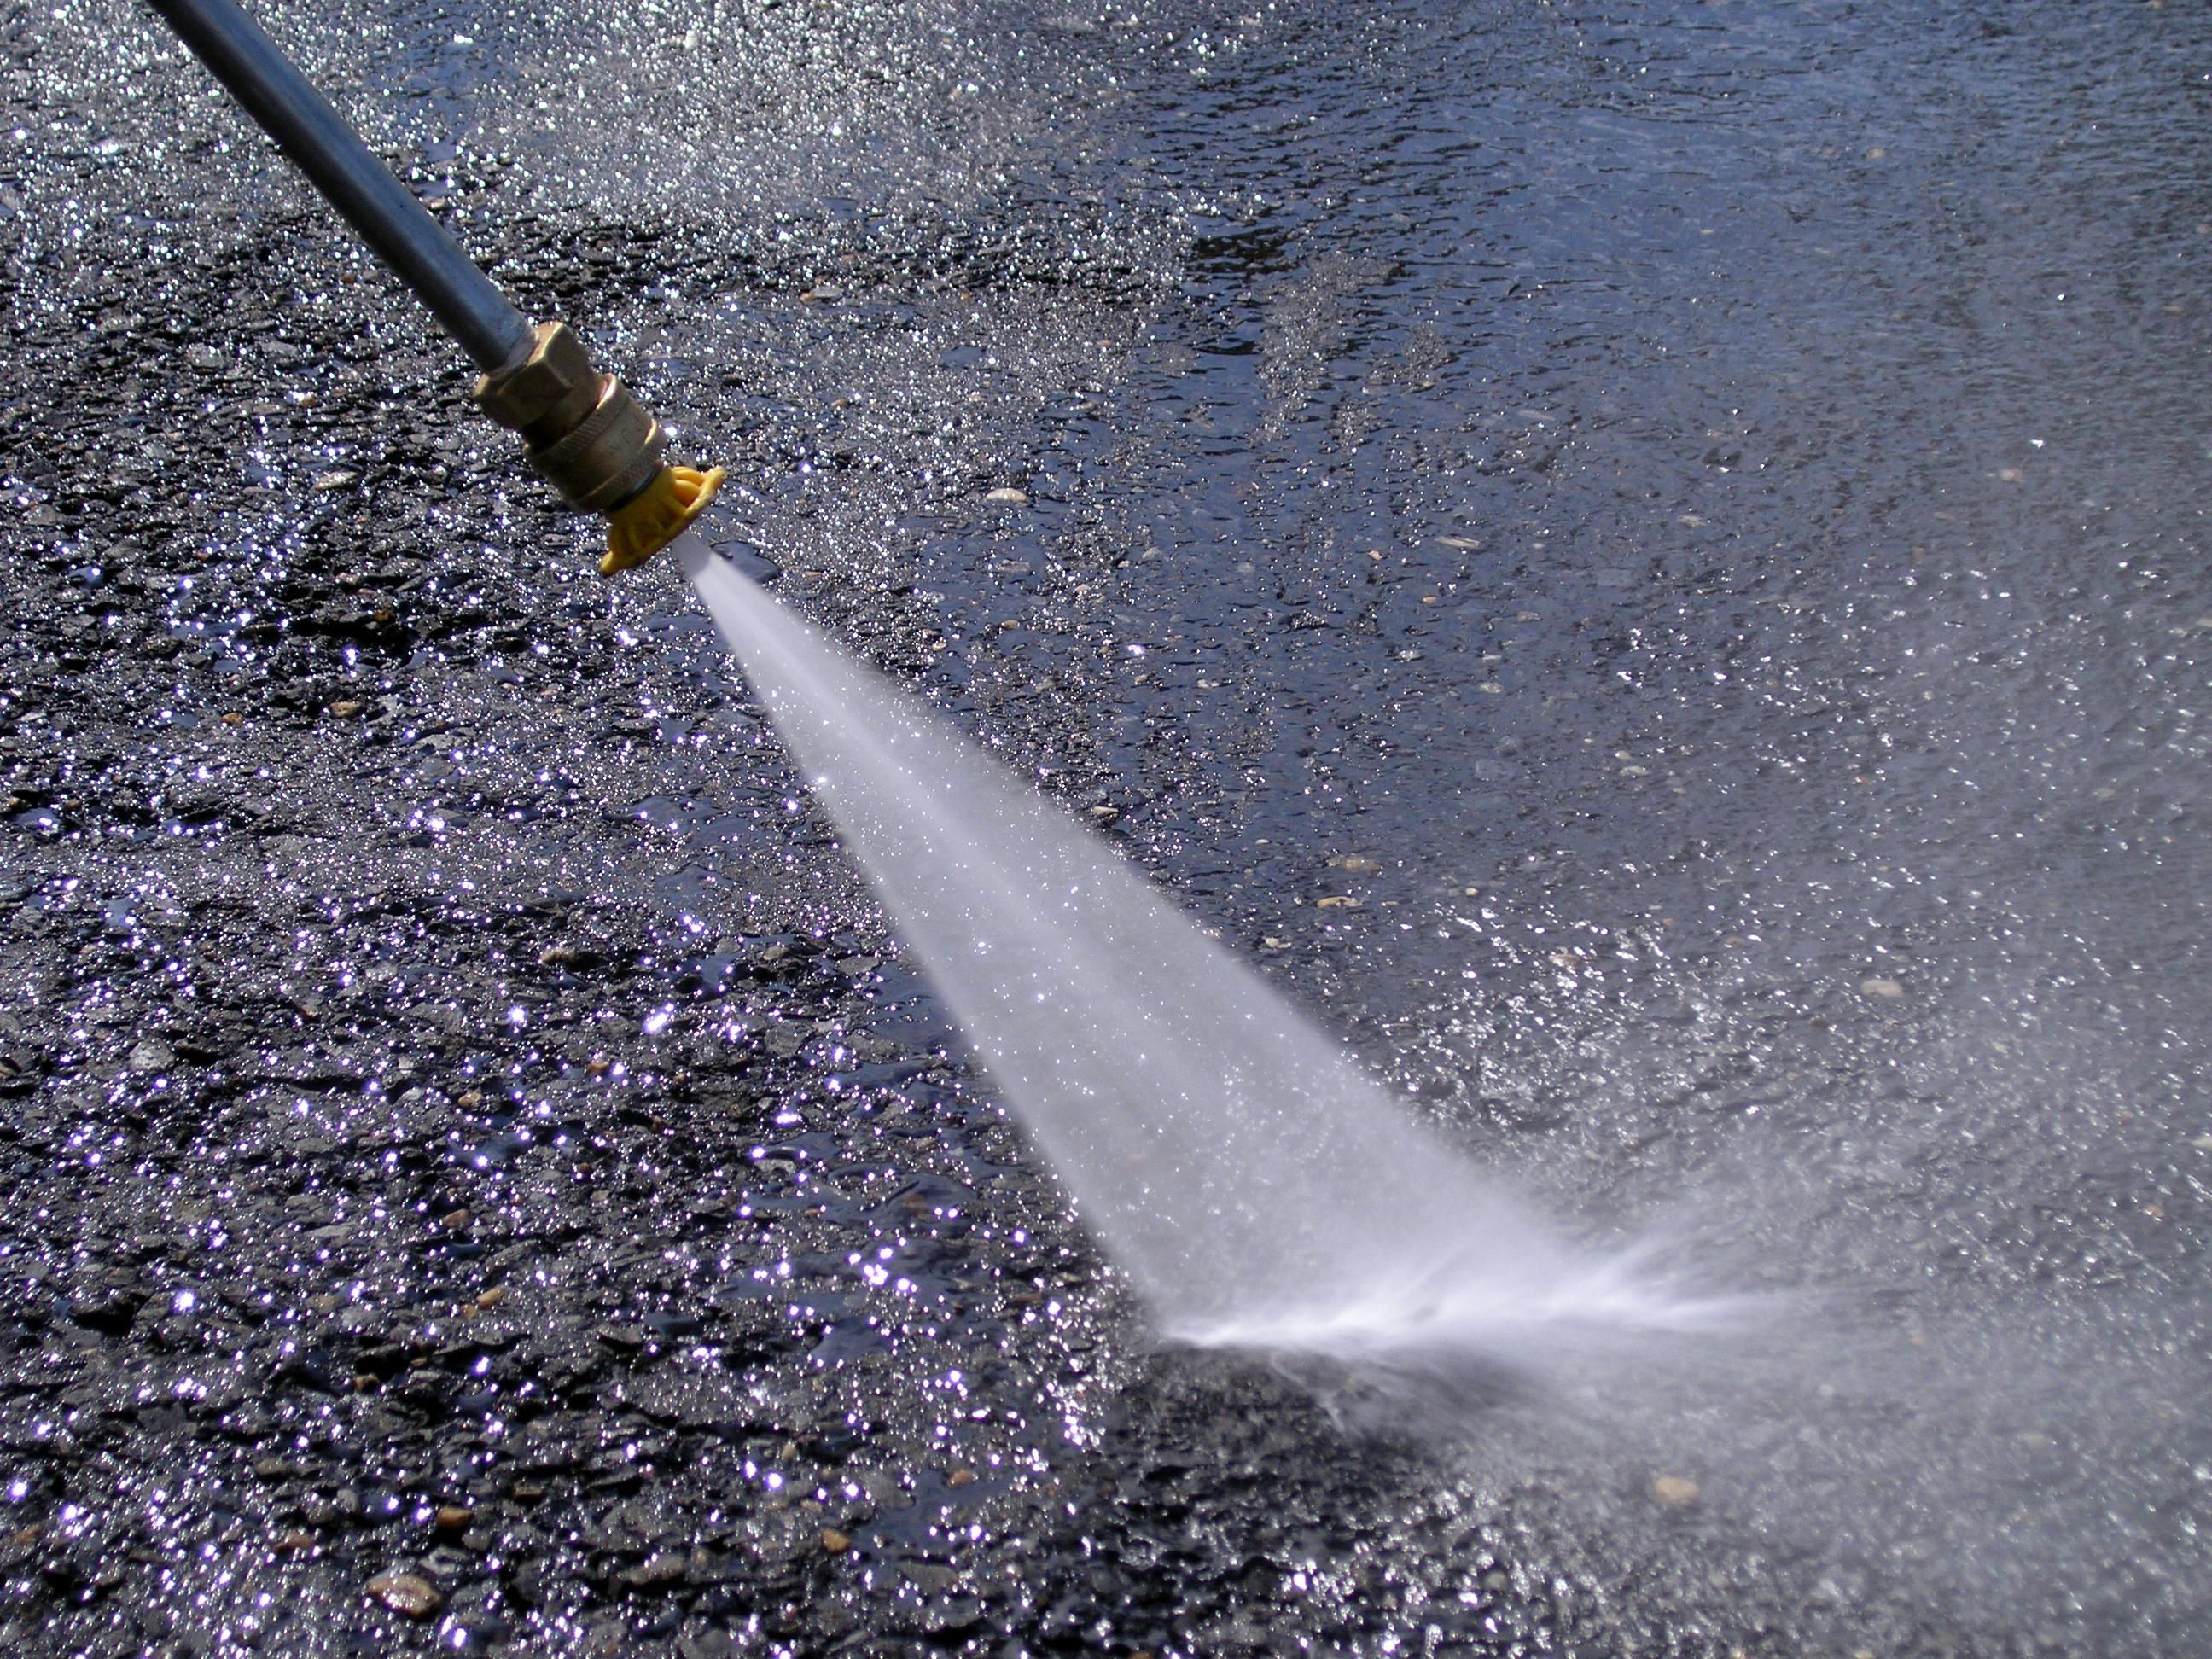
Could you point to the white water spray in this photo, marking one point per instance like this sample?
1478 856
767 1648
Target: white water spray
1257 1186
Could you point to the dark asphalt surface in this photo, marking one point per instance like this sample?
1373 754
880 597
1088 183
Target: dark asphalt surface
1691 517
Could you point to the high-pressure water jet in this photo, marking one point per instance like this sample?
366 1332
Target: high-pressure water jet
1260 1188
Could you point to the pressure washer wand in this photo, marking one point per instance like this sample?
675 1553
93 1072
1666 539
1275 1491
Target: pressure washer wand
583 430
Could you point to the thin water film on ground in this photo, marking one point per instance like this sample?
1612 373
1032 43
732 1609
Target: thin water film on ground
1644 566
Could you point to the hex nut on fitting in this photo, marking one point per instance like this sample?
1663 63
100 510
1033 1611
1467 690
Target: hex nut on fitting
585 432
548 393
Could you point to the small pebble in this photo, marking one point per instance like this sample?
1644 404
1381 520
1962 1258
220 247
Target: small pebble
296 1541
403 1592
961 1478
345 710
454 1221
1881 988
151 1054
454 1518
1672 1491
1337 901
1012 496
658 1572
834 1541
559 956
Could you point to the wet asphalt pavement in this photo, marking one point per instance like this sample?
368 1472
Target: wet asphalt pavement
1685 523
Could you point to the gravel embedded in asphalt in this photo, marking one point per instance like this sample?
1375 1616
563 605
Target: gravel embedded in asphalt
1650 571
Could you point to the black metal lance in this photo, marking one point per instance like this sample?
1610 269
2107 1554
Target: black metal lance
583 430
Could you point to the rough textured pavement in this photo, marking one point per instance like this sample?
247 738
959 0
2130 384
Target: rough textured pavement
1687 521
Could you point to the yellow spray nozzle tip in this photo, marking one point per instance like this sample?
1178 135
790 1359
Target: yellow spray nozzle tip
656 516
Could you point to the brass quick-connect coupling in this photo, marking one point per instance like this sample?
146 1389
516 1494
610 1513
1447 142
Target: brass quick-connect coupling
597 446
591 440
